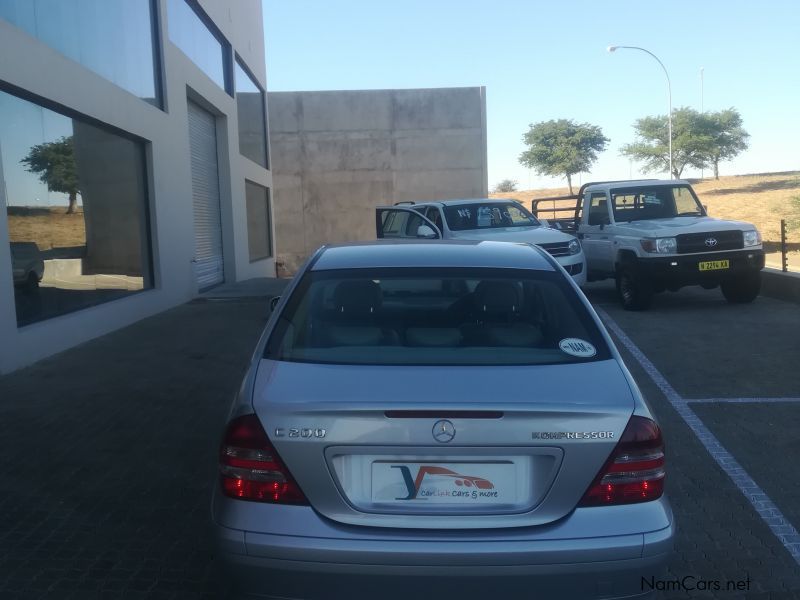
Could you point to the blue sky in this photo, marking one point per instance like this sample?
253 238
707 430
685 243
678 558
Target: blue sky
548 60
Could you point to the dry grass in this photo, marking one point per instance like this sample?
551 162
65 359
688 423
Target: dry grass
49 227
762 199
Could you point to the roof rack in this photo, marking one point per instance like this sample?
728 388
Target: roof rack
405 202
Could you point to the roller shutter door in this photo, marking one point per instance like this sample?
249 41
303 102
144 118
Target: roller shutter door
208 263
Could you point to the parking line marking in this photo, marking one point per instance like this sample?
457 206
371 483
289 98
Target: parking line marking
763 504
742 400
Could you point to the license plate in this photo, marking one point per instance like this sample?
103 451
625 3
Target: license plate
459 483
714 265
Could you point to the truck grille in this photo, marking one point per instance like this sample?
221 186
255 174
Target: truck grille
556 249
696 242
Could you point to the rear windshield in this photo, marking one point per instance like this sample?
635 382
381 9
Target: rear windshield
404 316
654 202
461 217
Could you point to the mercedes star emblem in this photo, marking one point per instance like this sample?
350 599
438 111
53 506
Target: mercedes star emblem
443 431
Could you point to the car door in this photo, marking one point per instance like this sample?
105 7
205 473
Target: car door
595 235
394 222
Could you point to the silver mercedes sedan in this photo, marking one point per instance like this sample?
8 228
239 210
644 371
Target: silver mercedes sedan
439 420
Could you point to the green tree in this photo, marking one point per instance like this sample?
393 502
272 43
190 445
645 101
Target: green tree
729 138
54 163
507 185
693 137
562 148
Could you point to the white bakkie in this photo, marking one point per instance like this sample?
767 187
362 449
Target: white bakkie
481 219
655 235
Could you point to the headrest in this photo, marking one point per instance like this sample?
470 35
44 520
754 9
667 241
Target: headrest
357 297
497 296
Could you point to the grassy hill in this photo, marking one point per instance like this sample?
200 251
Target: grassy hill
763 199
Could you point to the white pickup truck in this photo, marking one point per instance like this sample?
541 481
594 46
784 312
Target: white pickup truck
482 219
655 235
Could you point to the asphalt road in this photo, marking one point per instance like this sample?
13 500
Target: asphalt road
106 469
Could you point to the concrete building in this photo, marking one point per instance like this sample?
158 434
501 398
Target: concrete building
338 154
134 163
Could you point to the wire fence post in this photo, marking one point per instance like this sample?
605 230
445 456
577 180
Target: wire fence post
784 257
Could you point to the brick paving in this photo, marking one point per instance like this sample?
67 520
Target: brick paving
107 456
706 348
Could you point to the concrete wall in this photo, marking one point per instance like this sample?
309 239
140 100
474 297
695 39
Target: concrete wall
337 155
45 72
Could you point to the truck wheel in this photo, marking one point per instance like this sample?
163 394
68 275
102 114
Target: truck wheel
635 292
743 289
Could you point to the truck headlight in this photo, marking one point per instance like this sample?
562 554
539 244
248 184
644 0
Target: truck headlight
752 238
666 245
574 247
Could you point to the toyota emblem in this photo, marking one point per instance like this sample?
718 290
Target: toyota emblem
443 431
711 242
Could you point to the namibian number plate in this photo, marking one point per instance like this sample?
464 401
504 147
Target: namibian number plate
714 265
470 484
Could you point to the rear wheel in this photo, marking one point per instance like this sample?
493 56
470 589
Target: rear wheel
635 291
742 289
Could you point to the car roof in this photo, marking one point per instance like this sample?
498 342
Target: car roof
432 253
455 202
470 201
606 185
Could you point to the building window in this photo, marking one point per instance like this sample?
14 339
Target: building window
194 33
252 111
259 223
113 38
76 203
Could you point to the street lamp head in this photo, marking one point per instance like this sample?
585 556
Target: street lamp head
612 48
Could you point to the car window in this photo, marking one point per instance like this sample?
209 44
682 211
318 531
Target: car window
461 217
654 202
405 316
435 216
598 209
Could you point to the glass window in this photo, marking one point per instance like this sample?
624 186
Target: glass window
252 121
77 213
113 38
654 202
259 224
196 40
461 217
456 316
598 209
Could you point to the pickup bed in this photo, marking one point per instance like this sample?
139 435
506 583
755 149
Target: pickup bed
655 235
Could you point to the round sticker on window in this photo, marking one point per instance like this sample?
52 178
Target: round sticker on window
577 347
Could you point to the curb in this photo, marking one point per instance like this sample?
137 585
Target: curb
782 286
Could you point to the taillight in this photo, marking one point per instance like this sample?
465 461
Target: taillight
250 468
635 470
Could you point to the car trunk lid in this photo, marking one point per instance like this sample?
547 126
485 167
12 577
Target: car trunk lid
443 447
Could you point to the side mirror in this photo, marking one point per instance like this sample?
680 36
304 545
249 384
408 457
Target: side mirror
425 232
273 303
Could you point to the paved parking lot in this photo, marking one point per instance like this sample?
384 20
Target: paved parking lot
707 349
107 451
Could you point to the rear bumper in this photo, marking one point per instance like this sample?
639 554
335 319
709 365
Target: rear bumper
391 563
683 270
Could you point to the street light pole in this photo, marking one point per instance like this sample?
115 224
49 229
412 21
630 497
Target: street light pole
702 170
669 96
